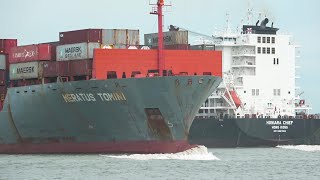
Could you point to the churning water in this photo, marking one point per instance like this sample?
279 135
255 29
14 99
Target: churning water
283 162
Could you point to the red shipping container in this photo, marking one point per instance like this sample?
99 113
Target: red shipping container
6 45
50 69
53 48
63 68
81 68
80 36
2 77
36 52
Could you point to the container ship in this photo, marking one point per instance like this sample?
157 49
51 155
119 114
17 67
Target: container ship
258 103
99 91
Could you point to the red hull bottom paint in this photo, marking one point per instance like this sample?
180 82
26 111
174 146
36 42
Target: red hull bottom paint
139 147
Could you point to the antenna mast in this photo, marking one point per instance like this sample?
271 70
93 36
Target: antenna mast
228 28
249 13
158 11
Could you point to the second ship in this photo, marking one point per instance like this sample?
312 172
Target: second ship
259 102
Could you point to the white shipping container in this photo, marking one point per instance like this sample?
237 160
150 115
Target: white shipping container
2 61
133 37
27 70
76 51
120 37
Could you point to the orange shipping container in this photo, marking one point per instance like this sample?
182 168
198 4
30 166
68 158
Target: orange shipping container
127 61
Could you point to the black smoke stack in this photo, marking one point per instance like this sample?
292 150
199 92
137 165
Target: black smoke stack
264 23
257 23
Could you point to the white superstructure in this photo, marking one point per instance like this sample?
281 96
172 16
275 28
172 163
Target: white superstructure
259 73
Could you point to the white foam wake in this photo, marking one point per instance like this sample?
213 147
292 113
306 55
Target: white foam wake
195 154
309 148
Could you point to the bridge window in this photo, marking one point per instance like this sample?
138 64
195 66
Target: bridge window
276 92
263 50
259 50
255 92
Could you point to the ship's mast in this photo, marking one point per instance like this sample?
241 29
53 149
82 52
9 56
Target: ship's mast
158 11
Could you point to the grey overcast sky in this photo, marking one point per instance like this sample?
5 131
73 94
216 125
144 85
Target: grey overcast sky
35 21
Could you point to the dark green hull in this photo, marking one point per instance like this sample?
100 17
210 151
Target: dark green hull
140 115
213 132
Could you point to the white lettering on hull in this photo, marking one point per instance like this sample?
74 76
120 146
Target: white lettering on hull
89 97
279 126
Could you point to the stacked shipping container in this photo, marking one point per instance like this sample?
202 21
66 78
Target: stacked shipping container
71 57
31 63
76 52
5 46
76 48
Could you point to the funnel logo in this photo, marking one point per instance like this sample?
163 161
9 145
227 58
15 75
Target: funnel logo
29 53
25 54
